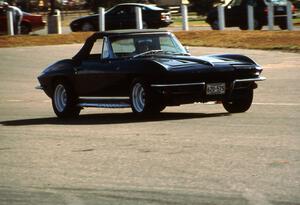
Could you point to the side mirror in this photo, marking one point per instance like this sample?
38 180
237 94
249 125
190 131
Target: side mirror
187 49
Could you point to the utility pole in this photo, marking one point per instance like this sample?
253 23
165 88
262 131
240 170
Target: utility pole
52 7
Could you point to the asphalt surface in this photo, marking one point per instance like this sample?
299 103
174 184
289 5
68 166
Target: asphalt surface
192 154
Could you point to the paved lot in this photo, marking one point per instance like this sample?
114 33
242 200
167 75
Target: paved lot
193 154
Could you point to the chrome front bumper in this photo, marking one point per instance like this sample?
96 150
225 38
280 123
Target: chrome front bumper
203 83
39 87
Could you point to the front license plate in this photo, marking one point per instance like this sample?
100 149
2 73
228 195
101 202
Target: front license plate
215 89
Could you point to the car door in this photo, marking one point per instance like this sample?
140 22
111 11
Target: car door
127 17
111 18
96 77
121 17
236 13
99 75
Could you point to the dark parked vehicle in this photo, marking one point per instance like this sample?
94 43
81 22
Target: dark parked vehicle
236 14
122 16
30 22
146 70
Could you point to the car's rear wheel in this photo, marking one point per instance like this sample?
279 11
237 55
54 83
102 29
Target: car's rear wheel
64 101
143 100
257 25
145 25
87 26
215 25
282 26
243 27
25 28
241 102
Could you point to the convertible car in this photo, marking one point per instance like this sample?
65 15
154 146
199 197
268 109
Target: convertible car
146 70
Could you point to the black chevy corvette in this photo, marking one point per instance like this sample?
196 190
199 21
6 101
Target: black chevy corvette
146 70
122 16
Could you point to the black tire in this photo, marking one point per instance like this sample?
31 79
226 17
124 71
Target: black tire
64 101
257 25
145 25
283 26
144 101
240 102
243 27
25 28
161 106
215 25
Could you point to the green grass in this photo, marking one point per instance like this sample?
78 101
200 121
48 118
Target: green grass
267 40
200 21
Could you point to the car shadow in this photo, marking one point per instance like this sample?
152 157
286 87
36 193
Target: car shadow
110 118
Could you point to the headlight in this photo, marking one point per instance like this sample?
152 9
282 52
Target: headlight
258 68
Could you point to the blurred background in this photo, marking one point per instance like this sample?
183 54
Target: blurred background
198 10
199 6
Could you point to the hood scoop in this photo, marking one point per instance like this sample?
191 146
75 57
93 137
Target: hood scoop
180 60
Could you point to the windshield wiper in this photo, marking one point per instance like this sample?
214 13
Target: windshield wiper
176 53
147 52
160 51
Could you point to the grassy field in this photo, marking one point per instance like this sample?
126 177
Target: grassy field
200 21
266 40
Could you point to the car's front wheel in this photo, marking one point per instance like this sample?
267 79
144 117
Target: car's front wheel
64 101
143 100
241 102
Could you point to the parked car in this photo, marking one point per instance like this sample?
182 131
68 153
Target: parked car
122 16
146 70
30 22
236 14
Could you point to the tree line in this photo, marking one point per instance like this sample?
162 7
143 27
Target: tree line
199 6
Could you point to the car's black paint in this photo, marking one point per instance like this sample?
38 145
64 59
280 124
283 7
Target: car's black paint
173 79
122 16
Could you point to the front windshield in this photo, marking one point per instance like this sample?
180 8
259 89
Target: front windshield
133 45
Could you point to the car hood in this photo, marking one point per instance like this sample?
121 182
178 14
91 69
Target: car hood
196 62
28 14
85 17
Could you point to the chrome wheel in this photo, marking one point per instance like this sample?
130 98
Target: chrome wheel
138 97
60 98
64 100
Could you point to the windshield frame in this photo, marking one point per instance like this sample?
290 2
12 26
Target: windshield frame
178 47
